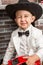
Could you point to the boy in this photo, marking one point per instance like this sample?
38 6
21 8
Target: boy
27 40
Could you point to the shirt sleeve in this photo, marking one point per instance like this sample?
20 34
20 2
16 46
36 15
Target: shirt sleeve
9 52
40 50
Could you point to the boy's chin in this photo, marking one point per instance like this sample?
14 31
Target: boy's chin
24 28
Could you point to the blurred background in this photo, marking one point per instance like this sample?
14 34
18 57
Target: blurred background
14 1
7 25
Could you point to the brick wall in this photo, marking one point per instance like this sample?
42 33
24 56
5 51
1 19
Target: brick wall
6 28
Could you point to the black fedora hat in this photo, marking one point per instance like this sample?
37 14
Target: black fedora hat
34 8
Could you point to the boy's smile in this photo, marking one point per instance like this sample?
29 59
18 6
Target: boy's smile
24 19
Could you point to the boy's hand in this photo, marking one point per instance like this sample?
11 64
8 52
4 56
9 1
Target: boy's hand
2 64
32 59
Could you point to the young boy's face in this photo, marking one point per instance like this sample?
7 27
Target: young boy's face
24 19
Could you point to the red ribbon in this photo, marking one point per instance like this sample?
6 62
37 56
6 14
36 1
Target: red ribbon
21 60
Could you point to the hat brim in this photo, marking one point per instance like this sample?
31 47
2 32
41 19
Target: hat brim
34 8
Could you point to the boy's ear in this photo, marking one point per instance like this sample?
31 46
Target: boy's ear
33 18
15 19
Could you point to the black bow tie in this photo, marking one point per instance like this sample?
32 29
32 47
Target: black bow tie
23 33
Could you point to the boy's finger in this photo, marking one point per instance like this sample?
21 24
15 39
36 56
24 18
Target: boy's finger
26 57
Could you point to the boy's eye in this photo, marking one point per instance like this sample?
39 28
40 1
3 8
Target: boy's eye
26 16
19 17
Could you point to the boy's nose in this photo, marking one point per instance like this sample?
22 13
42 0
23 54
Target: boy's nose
22 19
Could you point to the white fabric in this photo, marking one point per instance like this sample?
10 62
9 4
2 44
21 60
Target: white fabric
24 47
34 40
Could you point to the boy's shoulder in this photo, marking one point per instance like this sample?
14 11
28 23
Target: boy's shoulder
15 32
36 32
37 29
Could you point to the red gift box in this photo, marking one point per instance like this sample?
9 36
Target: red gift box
21 61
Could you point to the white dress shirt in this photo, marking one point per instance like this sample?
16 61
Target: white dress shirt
34 41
